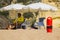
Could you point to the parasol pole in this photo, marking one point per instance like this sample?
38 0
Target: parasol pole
16 19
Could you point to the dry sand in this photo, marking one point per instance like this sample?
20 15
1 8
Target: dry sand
31 34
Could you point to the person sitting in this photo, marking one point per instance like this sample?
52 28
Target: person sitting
33 23
18 21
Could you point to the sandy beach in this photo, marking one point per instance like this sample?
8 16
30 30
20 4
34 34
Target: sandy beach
31 34
9 10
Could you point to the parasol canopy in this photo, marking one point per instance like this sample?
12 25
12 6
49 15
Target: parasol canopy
13 7
41 6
